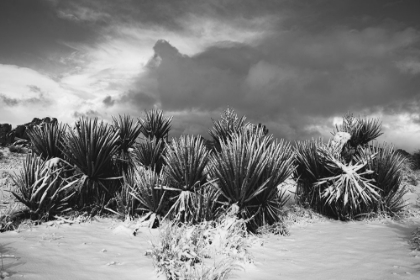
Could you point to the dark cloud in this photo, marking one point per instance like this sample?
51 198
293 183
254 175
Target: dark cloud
314 60
9 101
296 80
108 101
87 114
32 34
40 100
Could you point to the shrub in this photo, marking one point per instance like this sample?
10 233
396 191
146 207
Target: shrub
47 141
91 147
44 191
209 250
186 160
248 170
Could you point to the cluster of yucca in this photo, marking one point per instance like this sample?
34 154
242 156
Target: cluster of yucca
132 169
352 178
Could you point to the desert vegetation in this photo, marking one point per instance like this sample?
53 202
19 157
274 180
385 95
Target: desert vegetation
194 190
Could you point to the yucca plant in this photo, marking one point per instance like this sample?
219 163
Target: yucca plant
128 131
350 191
362 131
186 160
248 170
310 166
228 124
149 154
47 140
387 167
91 148
353 181
152 200
155 125
43 189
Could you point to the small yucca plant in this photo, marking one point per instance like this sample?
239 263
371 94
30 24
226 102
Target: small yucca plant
91 148
387 167
248 170
155 125
186 160
128 132
149 154
42 188
152 200
47 140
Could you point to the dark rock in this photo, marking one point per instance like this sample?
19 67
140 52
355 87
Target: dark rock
20 130
5 129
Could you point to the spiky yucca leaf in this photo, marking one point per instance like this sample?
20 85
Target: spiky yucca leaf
91 147
155 125
148 191
186 160
149 154
249 169
47 140
42 189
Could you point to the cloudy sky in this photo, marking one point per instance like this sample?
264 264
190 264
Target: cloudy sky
295 65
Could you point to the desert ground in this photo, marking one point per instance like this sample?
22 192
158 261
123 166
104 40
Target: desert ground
317 247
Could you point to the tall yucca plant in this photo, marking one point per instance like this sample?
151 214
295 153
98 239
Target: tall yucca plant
91 147
42 189
228 125
155 125
249 169
47 140
186 160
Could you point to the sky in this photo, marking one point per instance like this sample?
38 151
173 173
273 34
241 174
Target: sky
296 66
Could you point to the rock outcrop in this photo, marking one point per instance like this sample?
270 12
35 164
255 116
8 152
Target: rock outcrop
5 129
20 131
